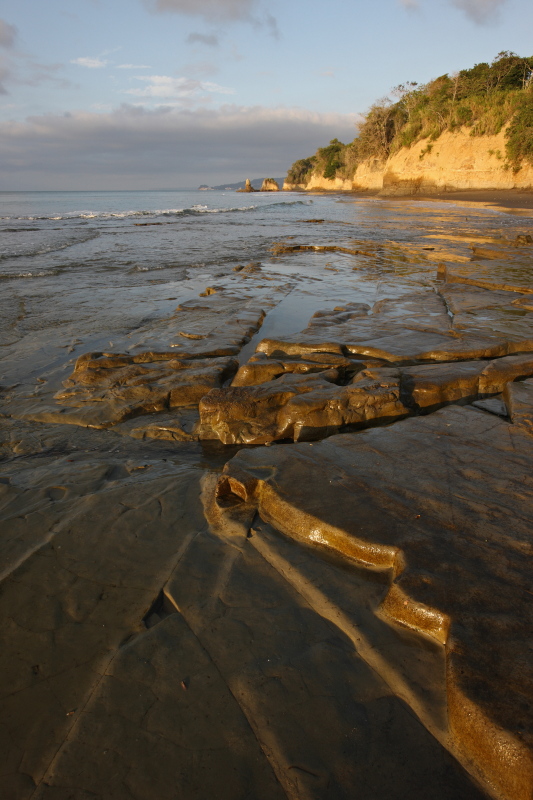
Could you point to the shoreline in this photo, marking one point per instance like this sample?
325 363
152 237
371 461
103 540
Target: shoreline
512 199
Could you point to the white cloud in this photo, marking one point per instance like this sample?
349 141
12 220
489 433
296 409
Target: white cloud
164 86
208 86
210 40
8 34
135 148
133 66
91 63
220 11
210 9
479 11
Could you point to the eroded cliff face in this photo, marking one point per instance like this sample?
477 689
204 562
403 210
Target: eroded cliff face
455 161
318 183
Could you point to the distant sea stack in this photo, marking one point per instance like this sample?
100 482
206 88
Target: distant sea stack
469 130
255 182
270 185
247 187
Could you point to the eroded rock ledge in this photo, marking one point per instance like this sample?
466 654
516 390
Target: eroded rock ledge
394 608
193 352
428 502
354 366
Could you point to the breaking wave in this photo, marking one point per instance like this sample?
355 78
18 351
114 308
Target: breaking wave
154 213
13 276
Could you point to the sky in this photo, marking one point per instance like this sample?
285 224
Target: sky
147 94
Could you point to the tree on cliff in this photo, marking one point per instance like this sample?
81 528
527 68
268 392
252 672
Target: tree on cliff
331 158
485 98
300 170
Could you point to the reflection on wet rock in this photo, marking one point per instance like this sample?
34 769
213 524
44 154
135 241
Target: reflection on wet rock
149 387
415 327
430 386
511 277
312 406
106 389
260 368
427 500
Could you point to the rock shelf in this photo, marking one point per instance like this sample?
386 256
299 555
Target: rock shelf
348 613
453 533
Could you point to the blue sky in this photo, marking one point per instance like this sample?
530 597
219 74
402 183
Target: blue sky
169 93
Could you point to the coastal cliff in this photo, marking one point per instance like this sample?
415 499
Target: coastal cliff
471 130
453 162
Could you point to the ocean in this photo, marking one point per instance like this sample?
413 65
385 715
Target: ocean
103 238
110 236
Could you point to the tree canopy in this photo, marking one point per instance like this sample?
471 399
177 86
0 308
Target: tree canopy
483 99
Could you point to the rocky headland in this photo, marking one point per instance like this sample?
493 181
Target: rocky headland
248 556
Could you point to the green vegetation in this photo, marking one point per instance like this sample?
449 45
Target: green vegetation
484 99
300 170
335 160
330 158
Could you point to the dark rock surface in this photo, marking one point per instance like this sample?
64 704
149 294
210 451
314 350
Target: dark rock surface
427 501
188 617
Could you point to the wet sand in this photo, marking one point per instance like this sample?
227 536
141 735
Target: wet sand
511 200
498 199
269 535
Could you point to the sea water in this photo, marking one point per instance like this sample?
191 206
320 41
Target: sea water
124 237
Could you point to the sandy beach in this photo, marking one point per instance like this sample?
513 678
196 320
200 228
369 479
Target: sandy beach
266 519
512 200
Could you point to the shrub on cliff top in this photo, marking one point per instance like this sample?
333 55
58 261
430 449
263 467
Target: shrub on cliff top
485 98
